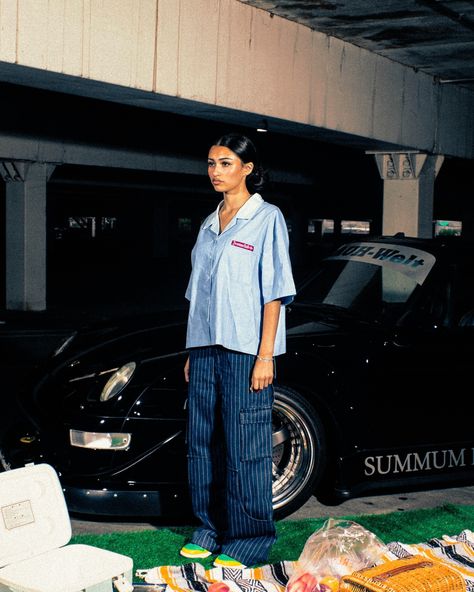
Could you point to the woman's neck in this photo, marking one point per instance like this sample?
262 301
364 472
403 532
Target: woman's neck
233 202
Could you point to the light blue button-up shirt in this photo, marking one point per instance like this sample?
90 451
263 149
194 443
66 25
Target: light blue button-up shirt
234 274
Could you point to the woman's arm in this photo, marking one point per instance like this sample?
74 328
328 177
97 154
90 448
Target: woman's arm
262 374
186 370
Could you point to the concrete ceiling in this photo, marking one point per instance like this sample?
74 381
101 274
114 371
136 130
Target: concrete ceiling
433 36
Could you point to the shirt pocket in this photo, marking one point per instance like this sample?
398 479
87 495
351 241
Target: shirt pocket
241 261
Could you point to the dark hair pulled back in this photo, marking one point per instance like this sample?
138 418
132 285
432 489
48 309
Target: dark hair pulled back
247 152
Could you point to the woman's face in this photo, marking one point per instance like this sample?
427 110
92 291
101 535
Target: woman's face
226 171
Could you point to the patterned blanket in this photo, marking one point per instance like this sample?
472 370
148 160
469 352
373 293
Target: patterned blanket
457 551
193 577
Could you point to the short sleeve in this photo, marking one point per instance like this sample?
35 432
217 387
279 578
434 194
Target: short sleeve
275 272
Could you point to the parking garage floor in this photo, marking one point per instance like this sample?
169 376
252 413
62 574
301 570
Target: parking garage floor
313 509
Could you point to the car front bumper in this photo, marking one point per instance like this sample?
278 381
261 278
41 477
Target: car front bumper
169 501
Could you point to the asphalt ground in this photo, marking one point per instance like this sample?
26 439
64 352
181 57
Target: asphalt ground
378 504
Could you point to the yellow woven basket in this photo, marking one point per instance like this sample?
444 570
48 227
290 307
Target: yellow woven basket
414 574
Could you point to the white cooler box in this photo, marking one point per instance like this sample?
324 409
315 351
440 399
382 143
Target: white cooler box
34 531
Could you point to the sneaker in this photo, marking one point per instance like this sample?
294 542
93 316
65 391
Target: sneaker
194 551
224 560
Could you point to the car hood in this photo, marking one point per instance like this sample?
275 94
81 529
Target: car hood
164 334
79 372
302 319
143 337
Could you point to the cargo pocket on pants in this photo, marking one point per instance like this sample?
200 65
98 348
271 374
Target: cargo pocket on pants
255 473
255 433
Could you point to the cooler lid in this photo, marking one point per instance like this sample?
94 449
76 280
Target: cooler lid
68 569
33 513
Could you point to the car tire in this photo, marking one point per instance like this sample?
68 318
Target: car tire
299 451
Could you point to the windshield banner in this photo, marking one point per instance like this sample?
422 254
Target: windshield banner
411 262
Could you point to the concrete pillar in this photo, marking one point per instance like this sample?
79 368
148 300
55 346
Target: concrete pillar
408 191
25 218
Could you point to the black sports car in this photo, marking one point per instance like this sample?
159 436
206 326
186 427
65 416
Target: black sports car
373 392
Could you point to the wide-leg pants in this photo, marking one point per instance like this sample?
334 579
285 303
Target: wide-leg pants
229 438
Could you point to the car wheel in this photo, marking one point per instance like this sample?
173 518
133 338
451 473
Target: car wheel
299 451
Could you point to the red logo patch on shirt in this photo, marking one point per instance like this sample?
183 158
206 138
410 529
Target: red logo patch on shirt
242 245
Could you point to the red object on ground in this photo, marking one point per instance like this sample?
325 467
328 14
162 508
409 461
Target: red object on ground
218 587
306 582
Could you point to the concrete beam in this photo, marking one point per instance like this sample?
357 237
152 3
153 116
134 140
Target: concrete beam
57 153
248 61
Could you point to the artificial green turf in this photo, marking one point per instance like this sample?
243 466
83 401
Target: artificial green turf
150 548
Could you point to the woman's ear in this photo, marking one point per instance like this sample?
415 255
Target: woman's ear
248 168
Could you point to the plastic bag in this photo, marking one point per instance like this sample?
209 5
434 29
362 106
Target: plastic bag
338 548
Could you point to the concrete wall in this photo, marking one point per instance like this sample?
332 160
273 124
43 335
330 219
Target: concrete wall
225 54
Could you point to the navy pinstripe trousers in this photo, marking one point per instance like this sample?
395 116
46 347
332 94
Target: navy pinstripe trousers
229 436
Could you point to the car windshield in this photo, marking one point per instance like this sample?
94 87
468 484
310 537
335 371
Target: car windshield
367 278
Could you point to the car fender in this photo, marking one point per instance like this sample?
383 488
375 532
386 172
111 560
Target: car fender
321 392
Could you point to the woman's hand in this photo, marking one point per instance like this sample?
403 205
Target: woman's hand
263 370
186 370
262 375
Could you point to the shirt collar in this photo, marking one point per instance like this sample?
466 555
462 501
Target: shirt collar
250 207
245 212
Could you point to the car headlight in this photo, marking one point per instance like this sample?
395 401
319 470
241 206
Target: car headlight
100 440
117 381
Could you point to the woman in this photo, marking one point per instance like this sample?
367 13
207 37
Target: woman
241 281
